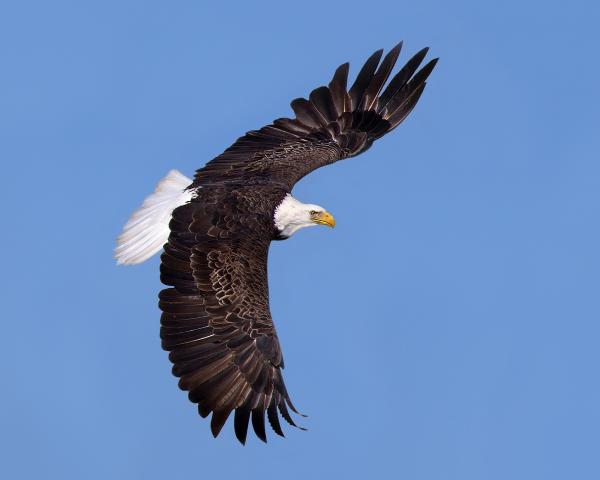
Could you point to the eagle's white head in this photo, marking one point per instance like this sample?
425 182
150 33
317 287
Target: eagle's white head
291 215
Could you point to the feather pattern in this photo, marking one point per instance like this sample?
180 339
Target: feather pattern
332 124
216 323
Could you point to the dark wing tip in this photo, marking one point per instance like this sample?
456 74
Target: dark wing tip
364 77
422 53
240 423
424 73
203 410
396 49
258 423
341 73
219 417
273 418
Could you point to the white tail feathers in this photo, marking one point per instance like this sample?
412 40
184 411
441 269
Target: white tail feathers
147 230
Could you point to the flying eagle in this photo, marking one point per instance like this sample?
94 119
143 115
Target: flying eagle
215 232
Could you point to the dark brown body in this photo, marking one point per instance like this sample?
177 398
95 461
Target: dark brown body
216 322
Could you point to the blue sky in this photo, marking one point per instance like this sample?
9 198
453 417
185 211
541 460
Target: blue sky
446 329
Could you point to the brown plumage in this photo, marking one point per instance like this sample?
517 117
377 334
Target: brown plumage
216 322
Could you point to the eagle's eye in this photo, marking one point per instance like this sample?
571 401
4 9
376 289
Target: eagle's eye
313 212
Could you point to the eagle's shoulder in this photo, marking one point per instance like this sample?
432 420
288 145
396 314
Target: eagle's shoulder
228 211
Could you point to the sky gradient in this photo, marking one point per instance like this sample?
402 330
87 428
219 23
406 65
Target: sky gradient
447 328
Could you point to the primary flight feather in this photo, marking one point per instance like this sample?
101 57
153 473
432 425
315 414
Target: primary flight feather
216 230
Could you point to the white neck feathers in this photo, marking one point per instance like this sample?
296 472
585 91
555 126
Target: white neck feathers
291 215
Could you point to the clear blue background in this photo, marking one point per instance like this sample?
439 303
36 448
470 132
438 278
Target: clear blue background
446 329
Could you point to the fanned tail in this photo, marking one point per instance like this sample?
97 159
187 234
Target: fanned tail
147 230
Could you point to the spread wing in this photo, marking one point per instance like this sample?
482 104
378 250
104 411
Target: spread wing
333 123
216 321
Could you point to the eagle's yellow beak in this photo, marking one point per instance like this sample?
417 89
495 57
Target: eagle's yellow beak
324 218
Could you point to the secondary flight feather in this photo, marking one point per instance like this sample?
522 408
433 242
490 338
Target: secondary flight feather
215 232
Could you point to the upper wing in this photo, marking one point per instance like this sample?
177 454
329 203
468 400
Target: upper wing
216 321
334 123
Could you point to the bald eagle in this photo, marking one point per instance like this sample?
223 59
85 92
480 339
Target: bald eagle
215 232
